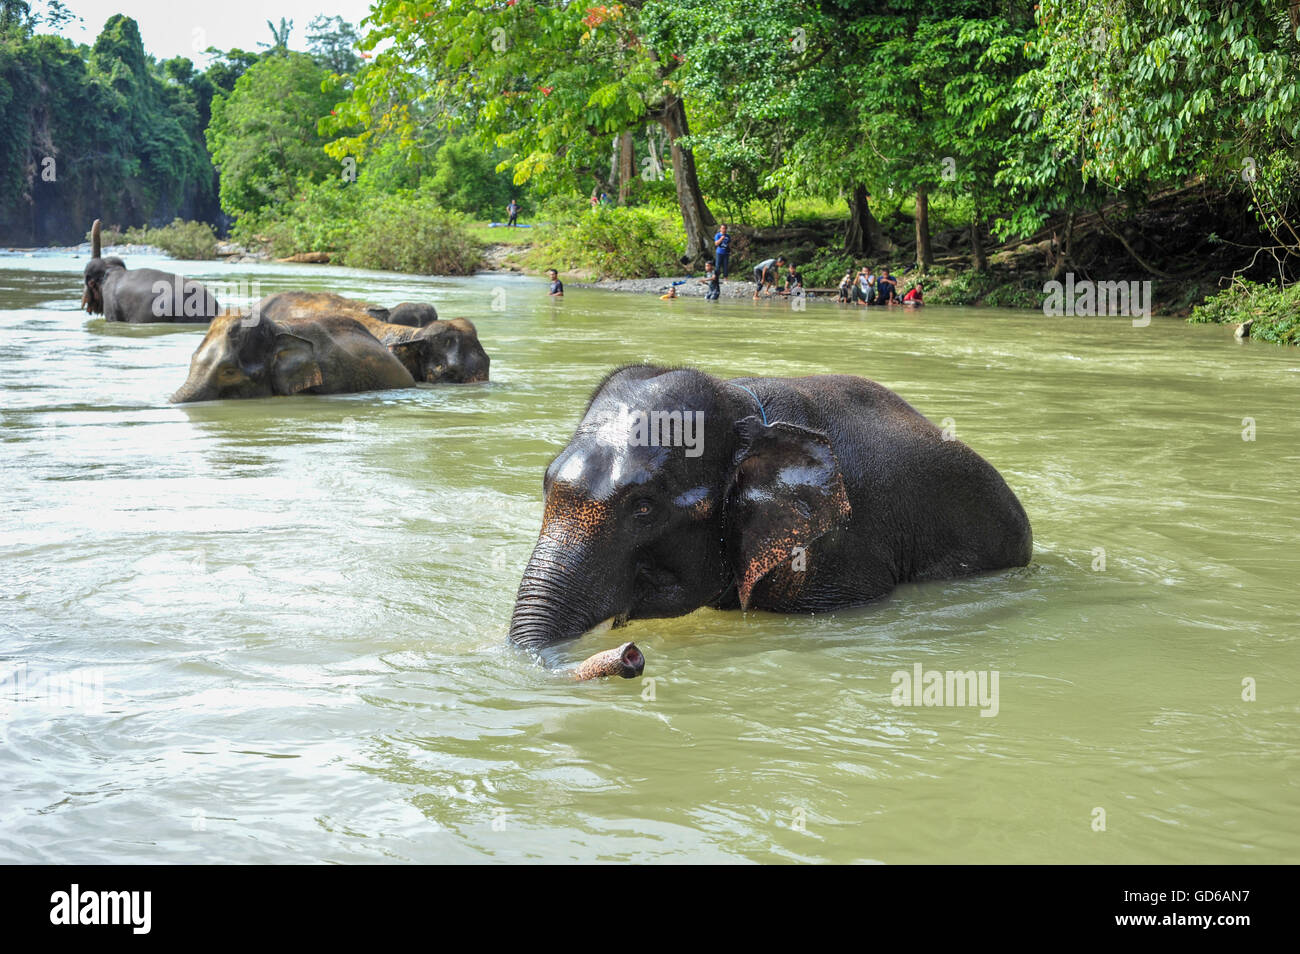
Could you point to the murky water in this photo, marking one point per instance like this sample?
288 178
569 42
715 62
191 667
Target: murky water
273 630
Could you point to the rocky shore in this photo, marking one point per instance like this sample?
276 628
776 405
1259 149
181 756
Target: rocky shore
691 287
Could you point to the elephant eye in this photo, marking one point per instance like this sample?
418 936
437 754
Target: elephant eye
643 509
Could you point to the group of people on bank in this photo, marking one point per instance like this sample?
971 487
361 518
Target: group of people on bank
868 288
777 276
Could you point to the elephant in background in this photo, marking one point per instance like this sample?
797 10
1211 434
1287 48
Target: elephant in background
412 313
254 356
441 352
679 490
141 294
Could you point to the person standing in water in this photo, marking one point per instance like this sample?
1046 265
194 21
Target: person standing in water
711 280
557 286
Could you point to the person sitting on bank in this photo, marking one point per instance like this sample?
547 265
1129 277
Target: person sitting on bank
915 296
846 288
766 273
711 279
793 281
557 286
887 288
865 288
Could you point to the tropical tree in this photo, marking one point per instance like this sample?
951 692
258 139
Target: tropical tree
263 134
550 85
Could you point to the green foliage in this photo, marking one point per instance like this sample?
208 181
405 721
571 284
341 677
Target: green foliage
180 239
95 132
989 289
612 242
263 133
827 267
1275 311
403 231
333 42
465 180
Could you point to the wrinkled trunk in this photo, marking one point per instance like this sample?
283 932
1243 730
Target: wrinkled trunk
95 245
193 390
924 254
555 601
696 217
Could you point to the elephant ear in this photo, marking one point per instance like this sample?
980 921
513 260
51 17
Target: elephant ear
786 491
294 368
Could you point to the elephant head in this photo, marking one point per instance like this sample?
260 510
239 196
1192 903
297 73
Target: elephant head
414 314
242 359
446 352
95 272
674 493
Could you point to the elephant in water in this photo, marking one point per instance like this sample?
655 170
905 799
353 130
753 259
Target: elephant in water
415 314
141 294
680 490
254 356
440 352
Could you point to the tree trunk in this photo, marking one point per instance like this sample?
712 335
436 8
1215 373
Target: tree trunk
860 238
696 217
977 246
1063 253
924 254
626 166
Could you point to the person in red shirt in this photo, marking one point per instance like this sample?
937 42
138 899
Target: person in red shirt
915 296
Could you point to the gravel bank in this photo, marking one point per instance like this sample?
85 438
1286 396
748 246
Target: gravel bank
691 289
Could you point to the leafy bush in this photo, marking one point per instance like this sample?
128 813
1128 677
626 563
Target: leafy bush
406 231
181 239
826 267
1275 310
612 242
983 288
322 218
412 234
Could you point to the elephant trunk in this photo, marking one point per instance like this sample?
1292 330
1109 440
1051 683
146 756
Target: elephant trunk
193 390
95 244
555 603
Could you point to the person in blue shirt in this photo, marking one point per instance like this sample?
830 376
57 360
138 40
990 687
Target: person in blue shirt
557 286
721 251
512 210
887 286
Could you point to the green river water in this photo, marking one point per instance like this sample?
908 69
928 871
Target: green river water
273 630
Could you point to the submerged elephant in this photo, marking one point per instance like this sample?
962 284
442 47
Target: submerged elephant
415 314
254 356
441 352
141 294
680 490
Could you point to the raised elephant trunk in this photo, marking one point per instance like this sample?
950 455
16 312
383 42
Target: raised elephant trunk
95 242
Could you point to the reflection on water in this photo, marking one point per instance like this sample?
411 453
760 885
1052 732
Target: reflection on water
273 630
